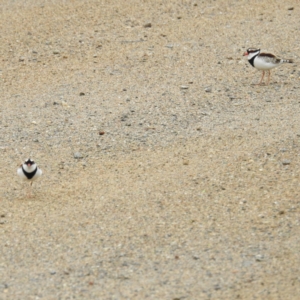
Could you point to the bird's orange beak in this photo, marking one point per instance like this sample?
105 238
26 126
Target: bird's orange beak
245 54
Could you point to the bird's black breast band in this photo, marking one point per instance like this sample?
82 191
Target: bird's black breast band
29 175
251 61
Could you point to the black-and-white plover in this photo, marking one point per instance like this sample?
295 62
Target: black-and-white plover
264 61
29 171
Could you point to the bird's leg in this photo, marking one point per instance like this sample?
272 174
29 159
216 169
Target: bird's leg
29 193
262 77
269 77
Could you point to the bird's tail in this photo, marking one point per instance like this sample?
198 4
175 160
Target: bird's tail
290 61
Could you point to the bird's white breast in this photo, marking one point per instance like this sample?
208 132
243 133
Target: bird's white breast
21 173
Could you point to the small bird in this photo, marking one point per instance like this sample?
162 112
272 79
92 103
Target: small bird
29 171
264 61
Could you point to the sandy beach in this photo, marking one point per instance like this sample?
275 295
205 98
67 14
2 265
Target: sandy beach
167 172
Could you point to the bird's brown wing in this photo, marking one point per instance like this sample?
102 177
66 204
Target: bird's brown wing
270 58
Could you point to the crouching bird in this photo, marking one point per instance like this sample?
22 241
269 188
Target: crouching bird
29 171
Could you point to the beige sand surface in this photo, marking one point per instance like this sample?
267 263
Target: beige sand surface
191 191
